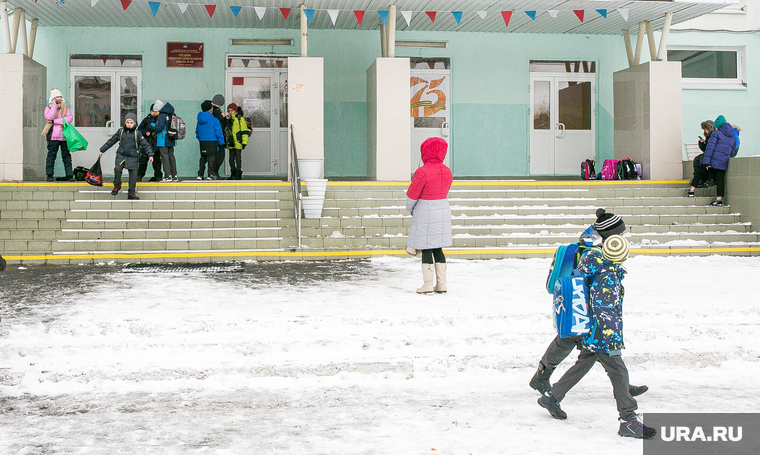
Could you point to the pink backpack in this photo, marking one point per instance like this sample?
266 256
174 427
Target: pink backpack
609 170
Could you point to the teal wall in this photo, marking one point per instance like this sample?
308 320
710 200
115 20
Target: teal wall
489 88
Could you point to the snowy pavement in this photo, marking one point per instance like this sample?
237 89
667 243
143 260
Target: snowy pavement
344 357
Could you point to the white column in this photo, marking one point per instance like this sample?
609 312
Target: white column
22 32
650 38
392 31
639 43
6 29
14 32
628 49
664 36
32 37
304 32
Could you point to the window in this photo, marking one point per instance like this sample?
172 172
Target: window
710 67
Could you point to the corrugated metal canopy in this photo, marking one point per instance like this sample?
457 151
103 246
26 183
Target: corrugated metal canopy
110 13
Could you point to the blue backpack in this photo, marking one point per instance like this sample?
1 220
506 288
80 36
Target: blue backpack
735 150
571 315
564 262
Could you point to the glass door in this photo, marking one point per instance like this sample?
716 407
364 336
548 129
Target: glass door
429 104
101 101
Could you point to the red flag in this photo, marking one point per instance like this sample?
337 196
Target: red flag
507 15
210 9
125 4
285 12
579 13
431 15
359 16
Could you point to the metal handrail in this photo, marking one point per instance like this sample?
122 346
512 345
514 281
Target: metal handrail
295 181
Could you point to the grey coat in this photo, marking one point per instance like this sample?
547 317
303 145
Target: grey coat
431 223
130 144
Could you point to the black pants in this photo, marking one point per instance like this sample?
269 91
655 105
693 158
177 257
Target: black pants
720 181
143 165
236 157
132 178
616 371
208 158
701 173
558 350
435 253
219 158
65 156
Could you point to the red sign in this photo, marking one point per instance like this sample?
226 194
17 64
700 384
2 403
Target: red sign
184 55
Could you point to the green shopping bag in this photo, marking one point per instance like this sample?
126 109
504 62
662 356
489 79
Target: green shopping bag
74 140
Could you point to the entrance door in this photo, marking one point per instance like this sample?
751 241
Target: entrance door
102 98
262 93
562 131
430 104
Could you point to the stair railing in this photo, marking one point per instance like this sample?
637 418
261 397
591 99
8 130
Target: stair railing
295 181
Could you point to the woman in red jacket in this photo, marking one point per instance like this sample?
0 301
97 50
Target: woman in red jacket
431 214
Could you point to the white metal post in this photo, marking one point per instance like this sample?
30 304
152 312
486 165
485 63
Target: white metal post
22 32
32 37
639 43
650 38
628 49
6 29
664 36
304 32
14 32
392 31
383 41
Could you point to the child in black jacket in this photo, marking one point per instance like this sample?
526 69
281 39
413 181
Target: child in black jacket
128 154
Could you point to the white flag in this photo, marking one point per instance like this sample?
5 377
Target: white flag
408 16
553 13
333 14
93 2
624 12
260 10
482 14
182 7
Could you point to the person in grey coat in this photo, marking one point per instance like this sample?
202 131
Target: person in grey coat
427 201
128 154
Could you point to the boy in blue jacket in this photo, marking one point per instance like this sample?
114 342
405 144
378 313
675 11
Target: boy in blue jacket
604 344
208 131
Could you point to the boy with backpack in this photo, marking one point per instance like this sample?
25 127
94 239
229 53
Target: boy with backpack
604 343
128 154
208 131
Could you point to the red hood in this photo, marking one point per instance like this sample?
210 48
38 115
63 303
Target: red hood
433 150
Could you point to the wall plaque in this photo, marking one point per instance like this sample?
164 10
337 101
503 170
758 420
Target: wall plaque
184 55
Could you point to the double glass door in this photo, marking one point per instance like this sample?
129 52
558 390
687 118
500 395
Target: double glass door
562 123
102 98
262 94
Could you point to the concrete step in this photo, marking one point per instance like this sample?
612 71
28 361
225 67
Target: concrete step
168 244
176 204
173 223
169 193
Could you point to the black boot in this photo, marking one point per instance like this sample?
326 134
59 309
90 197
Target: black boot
540 380
549 403
636 390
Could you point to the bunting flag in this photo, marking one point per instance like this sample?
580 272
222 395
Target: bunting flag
579 14
210 9
182 7
125 4
235 10
359 16
260 11
154 6
285 12
333 14
93 2
482 14
507 15
531 14
457 16
624 12
553 13
309 14
431 15
383 16
246 61
602 12
407 16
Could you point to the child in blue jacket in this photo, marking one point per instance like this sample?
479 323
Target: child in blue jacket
208 131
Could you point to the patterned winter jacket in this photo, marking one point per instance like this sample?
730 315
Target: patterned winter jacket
605 294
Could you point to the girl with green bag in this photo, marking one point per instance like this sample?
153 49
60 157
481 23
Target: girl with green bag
56 113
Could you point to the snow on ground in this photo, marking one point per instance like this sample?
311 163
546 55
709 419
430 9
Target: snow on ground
344 358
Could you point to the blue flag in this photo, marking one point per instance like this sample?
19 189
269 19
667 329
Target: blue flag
383 16
235 10
153 7
457 16
531 14
309 14
603 12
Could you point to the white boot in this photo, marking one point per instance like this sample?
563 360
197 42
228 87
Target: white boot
440 277
428 275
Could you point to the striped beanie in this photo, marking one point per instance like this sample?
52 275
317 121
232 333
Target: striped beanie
615 249
608 224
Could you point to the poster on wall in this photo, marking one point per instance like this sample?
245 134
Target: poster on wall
428 95
184 55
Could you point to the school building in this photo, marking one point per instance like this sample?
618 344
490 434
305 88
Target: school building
519 88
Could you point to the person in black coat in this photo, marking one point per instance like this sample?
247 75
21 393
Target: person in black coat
702 176
146 129
218 102
131 141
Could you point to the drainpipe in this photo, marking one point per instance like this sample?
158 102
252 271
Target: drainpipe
392 31
32 37
664 36
6 30
304 32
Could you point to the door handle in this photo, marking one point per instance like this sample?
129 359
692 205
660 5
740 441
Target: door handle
109 127
560 130
445 129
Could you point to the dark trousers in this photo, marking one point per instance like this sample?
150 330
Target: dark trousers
170 163
436 253
219 158
143 165
616 371
65 156
132 178
236 158
701 173
558 350
720 181
208 158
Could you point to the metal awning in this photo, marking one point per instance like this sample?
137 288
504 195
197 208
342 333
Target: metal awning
138 13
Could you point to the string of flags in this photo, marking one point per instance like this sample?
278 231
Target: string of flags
360 14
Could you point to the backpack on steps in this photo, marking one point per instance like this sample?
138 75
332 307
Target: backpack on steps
609 170
587 170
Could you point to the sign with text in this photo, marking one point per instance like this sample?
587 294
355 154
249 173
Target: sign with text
703 433
184 55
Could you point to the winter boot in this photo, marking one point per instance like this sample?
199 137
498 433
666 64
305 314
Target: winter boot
636 390
428 275
440 278
632 427
540 380
115 190
551 404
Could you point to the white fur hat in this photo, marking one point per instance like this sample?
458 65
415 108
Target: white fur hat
54 93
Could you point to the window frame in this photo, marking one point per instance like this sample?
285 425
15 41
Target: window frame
737 83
